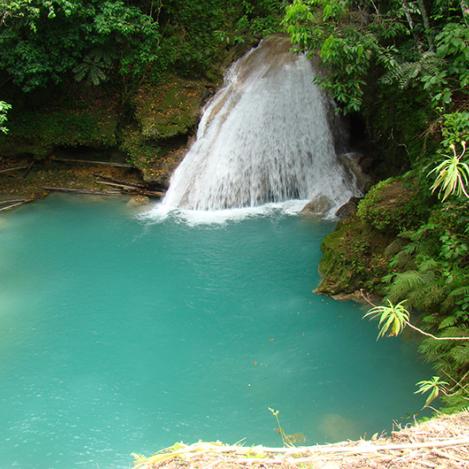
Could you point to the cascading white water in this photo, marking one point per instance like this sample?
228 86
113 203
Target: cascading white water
264 137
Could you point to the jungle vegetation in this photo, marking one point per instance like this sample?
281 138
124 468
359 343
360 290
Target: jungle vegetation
46 42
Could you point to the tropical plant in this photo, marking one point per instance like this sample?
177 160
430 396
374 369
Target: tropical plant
392 318
346 47
433 387
94 67
452 174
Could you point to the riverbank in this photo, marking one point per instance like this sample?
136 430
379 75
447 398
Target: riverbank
23 181
440 442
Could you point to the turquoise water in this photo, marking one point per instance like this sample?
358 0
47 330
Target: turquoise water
117 336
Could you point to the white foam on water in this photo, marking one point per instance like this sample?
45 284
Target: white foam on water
160 214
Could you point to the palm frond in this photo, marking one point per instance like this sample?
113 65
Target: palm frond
392 318
432 387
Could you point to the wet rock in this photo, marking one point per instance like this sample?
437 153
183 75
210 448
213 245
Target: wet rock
138 201
355 163
359 296
348 209
319 206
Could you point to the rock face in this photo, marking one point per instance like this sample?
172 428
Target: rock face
348 209
353 257
318 207
355 163
394 205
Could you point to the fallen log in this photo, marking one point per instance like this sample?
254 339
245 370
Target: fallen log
131 189
28 170
152 186
16 168
12 201
93 162
101 178
16 204
80 191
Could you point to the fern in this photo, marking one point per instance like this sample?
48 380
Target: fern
461 291
460 354
405 74
448 322
455 402
430 320
456 296
428 264
427 296
434 349
404 283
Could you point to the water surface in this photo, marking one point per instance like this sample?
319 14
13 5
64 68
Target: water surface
117 336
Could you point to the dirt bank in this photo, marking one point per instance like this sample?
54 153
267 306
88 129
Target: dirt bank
440 442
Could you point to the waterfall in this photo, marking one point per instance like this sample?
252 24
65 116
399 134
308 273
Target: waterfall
263 138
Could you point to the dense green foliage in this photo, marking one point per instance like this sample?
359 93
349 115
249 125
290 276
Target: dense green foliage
44 42
405 66
389 39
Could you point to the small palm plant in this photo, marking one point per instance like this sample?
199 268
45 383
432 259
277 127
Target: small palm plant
433 387
392 318
452 174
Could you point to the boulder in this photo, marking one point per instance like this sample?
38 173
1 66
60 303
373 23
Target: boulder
348 209
318 206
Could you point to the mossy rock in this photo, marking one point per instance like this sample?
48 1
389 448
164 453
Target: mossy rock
393 205
353 257
156 160
141 152
169 109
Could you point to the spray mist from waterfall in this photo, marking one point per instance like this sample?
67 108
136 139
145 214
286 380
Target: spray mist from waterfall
263 142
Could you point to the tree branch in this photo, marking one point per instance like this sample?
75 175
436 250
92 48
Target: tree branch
415 328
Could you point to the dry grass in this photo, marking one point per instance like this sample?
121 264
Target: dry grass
442 442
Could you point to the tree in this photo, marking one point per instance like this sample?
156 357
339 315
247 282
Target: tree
43 42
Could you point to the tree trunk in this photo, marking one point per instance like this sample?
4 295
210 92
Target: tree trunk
410 22
426 24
